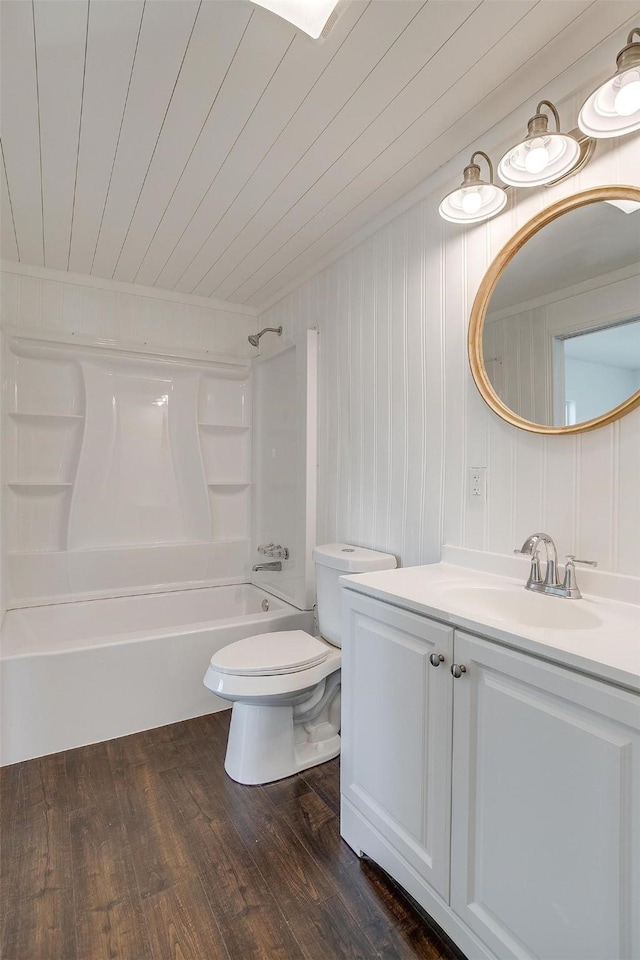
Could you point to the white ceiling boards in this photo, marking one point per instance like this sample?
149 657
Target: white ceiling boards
211 148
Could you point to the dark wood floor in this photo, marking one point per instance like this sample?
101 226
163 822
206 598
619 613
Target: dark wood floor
143 848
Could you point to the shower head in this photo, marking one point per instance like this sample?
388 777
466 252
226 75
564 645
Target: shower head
254 338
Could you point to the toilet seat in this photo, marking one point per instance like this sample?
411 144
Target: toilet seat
267 689
270 654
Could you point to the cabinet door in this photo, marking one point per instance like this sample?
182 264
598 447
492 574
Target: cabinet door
396 730
546 808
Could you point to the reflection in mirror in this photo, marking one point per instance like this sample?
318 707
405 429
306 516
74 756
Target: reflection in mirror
597 371
561 338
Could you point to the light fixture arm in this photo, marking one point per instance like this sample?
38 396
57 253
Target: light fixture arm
481 153
556 115
629 56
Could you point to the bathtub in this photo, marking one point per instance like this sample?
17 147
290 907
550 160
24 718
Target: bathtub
78 673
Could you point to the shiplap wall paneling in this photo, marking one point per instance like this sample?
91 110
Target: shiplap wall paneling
162 45
627 505
21 128
316 177
54 302
217 32
9 240
60 37
197 206
373 33
112 40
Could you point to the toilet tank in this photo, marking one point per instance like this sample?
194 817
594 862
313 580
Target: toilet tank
335 560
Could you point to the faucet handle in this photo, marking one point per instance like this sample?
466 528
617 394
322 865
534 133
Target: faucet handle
535 573
570 587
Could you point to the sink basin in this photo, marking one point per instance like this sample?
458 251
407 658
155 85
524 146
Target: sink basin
519 606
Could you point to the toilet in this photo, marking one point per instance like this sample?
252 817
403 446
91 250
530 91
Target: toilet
285 686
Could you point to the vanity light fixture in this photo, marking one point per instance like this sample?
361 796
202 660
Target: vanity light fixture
613 110
475 199
543 156
315 17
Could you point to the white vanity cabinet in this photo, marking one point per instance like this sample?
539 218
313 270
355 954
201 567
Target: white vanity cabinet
396 732
506 801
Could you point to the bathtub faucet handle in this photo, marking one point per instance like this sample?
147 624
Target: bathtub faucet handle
274 550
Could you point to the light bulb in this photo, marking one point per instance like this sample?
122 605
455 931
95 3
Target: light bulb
471 201
627 99
537 156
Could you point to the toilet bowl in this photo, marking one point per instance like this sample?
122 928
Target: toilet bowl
285 686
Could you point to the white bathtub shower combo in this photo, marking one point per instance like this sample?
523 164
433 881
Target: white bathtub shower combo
285 686
136 484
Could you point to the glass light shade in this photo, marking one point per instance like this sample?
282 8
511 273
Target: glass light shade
542 156
308 15
613 110
472 204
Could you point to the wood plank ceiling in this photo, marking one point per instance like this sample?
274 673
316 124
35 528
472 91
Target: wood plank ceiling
206 146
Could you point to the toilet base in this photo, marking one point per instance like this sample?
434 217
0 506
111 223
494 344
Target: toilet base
265 744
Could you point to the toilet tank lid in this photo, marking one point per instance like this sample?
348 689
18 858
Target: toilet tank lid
346 557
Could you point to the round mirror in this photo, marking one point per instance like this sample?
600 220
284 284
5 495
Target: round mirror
554 337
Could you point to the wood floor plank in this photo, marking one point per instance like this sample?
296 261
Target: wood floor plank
153 747
182 925
89 777
40 928
294 876
325 781
247 912
326 931
319 829
26 786
284 790
36 861
157 838
38 900
419 932
109 920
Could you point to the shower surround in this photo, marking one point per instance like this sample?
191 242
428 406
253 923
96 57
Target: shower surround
126 471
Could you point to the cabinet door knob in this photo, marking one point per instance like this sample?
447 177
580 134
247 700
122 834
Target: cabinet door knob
436 659
458 669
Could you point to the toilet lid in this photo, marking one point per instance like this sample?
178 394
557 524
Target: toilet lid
270 654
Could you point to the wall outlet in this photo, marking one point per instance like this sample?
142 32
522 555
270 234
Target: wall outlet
478 484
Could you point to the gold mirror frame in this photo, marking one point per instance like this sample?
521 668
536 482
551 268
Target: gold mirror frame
485 292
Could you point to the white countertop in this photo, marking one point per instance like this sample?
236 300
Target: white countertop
609 651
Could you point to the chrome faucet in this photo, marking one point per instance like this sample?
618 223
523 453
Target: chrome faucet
275 566
550 584
531 548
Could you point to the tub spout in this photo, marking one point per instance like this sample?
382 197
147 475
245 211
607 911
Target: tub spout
275 566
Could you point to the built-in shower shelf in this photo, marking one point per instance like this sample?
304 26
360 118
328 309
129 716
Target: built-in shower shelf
43 417
36 485
229 483
224 427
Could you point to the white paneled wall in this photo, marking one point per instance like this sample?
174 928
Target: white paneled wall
67 303
401 421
